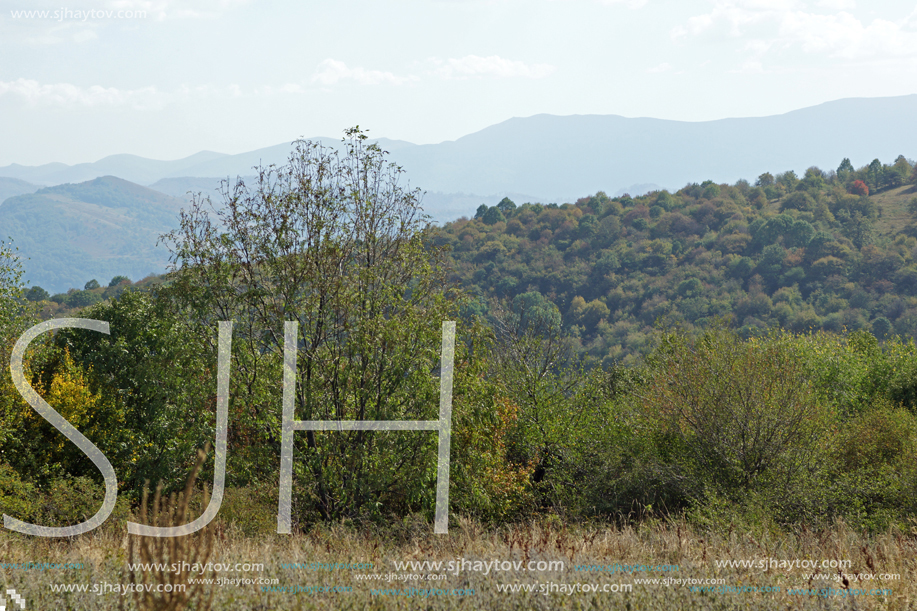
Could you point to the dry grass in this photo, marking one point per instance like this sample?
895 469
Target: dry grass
187 552
104 556
893 204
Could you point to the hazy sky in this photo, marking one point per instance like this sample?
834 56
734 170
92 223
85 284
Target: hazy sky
170 78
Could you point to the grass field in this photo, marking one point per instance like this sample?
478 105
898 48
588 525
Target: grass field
893 204
637 550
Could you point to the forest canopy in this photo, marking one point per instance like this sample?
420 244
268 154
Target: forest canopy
829 251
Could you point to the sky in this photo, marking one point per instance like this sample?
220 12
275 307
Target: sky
165 79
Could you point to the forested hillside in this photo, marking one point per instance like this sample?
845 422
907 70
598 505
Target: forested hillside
71 233
829 250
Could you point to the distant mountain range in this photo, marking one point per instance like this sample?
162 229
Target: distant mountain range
129 167
560 158
543 158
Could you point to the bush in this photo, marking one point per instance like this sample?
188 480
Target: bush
736 418
37 451
63 502
16 496
252 510
884 435
875 477
71 500
153 382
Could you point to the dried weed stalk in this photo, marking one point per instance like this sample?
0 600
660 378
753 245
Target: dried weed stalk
180 553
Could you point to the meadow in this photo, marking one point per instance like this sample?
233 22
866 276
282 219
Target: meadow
648 545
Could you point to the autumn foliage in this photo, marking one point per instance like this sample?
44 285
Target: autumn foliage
859 188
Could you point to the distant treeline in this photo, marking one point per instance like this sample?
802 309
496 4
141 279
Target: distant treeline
826 251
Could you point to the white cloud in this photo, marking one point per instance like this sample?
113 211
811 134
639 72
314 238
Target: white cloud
758 47
734 16
632 4
292 88
51 30
663 67
910 22
34 93
629 3
844 36
837 5
84 36
173 9
769 5
751 67
768 25
66 94
332 71
492 66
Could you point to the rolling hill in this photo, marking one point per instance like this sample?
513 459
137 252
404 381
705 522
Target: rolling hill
10 187
72 233
800 253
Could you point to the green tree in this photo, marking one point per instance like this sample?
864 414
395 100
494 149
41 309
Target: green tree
506 205
859 228
11 296
788 180
799 200
692 287
36 293
774 228
561 407
81 299
800 233
765 180
898 173
844 169
16 315
336 244
711 190
666 200
881 327
874 175
814 178
771 262
493 216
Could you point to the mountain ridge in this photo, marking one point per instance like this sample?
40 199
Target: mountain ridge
562 157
